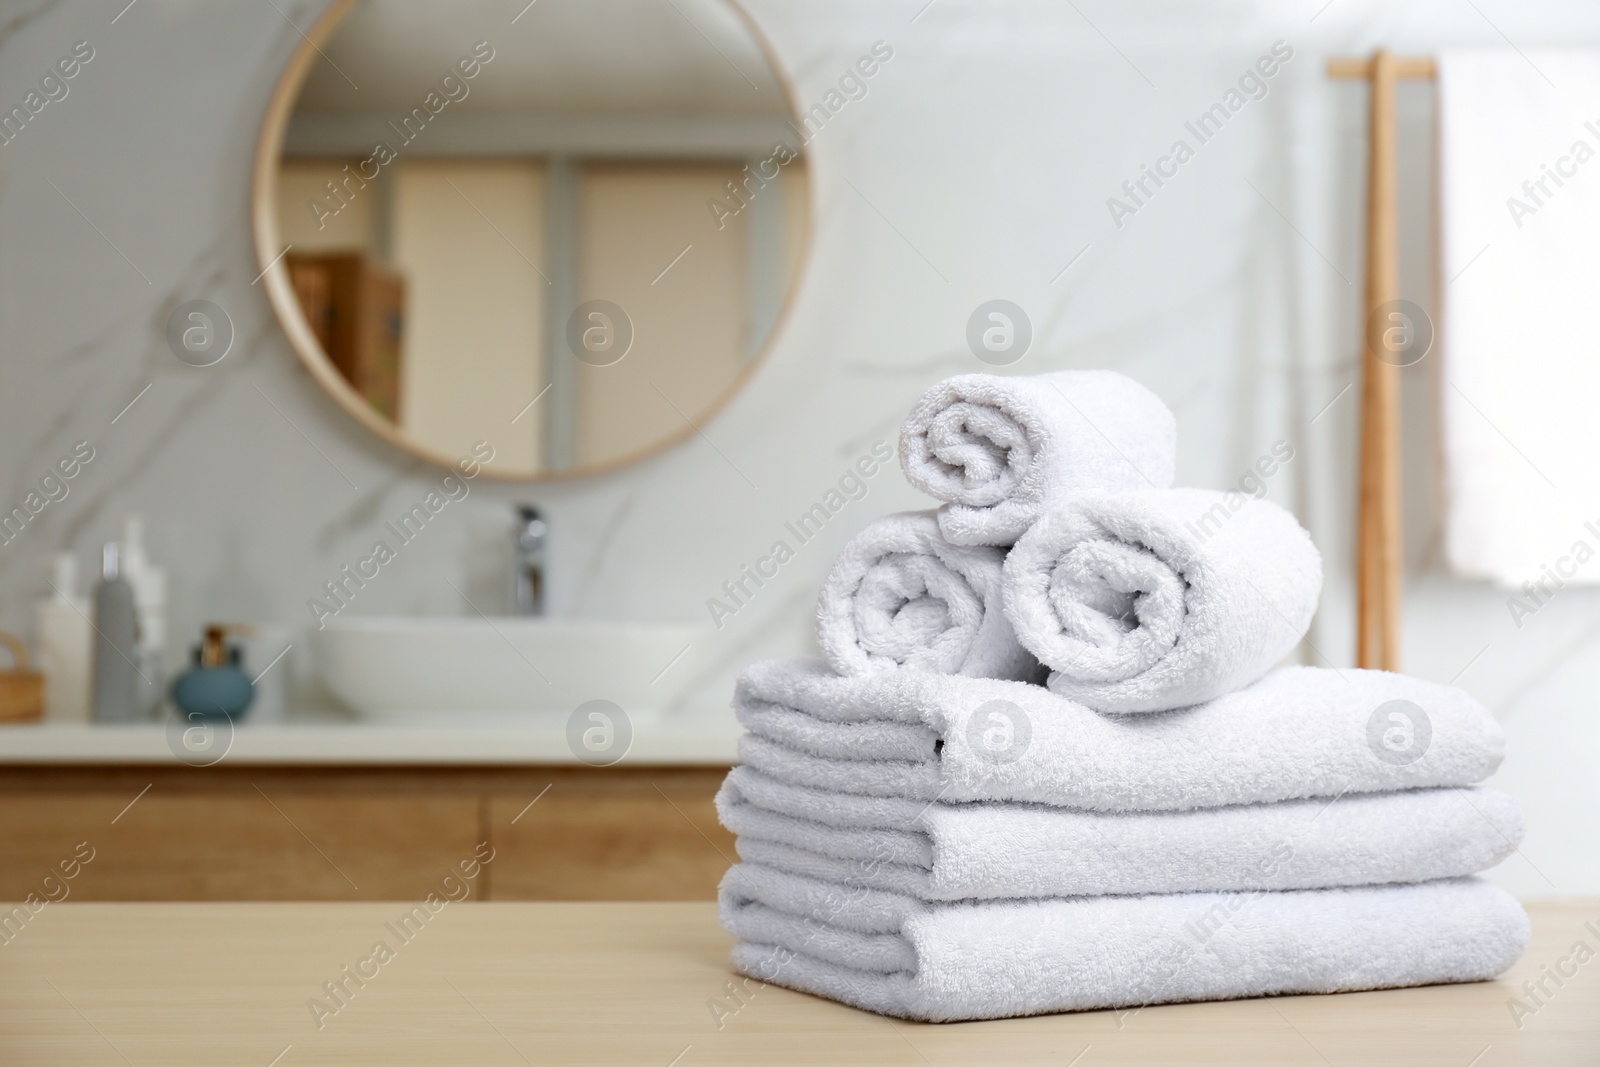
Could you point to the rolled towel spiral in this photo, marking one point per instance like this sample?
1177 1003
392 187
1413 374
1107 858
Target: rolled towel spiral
1001 450
900 595
1159 599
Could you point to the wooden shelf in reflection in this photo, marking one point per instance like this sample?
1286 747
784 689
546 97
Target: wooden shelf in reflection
355 306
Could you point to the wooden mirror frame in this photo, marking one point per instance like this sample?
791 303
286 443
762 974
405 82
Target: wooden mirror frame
286 307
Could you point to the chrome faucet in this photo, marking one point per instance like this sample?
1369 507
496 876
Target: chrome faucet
529 536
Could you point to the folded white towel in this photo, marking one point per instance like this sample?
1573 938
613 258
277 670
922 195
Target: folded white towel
1298 732
941 962
1155 599
978 851
1000 450
900 595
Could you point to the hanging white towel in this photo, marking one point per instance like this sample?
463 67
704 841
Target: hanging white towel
1519 383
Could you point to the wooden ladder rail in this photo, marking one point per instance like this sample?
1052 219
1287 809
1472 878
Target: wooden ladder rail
1378 522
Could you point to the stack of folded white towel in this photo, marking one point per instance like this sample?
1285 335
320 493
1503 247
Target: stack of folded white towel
1051 764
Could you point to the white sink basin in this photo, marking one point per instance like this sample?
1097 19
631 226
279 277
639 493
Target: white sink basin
425 669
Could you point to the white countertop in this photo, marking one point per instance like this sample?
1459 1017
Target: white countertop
687 739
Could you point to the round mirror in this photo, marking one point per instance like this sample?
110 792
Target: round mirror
564 231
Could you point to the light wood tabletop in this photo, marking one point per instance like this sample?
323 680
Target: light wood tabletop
232 984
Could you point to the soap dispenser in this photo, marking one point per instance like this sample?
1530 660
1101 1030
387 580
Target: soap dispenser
149 584
66 644
116 636
215 685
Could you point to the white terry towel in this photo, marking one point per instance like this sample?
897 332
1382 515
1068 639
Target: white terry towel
1519 209
1000 450
1161 598
977 851
943 962
1298 732
900 595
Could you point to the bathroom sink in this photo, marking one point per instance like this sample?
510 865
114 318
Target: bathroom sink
443 669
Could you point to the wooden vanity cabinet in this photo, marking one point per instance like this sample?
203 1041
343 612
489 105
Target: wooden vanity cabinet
360 833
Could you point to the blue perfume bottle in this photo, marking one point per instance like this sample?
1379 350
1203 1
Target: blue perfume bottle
215 686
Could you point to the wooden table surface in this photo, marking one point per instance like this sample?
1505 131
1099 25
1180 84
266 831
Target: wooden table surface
229 984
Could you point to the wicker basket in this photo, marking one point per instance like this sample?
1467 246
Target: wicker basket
21 690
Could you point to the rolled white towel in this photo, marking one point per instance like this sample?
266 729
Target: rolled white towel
1156 599
1000 451
900 595
897 955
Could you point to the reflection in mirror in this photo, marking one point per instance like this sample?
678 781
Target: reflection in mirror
569 236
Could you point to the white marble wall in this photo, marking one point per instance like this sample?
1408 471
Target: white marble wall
978 167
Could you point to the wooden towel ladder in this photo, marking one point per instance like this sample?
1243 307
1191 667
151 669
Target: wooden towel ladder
1378 530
